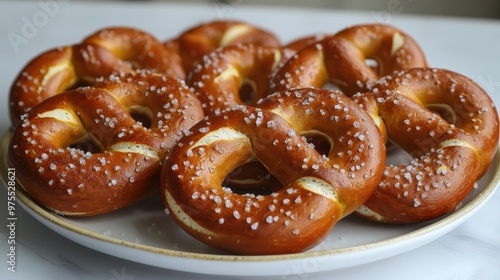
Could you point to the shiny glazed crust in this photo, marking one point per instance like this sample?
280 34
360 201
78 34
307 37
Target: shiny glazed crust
317 190
80 153
448 124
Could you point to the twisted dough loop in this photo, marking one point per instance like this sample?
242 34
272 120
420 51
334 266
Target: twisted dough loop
451 152
355 146
317 190
341 59
136 48
200 40
108 51
220 77
46 148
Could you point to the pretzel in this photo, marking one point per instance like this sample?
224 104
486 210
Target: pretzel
234 75
450 127
80 153
341 59
108 51
202 39
316 191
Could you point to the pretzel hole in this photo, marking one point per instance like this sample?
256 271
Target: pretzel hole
321 142
331 86
398 156
373 64
251 178
142 115
444 110
78 84
86 145
247 91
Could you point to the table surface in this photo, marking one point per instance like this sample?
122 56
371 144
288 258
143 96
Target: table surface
467 46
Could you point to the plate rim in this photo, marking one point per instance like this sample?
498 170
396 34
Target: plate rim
440 224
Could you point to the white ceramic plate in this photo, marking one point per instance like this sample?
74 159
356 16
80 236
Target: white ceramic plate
145 234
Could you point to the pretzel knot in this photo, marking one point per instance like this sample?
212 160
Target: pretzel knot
107 51
317 190
450 127
341 59
234 75
82 153
205 38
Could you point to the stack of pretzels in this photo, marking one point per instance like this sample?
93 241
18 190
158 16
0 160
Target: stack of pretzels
238 133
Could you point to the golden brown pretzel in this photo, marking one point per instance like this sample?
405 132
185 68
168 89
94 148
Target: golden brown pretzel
341 59
49 147
110 50
202 39
219 80
138 49
317 190
451 150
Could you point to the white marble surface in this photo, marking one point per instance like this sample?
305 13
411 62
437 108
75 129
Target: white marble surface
471 251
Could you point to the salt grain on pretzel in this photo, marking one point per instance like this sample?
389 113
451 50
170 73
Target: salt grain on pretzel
55 167
451 150
108 51
317 190
341 59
